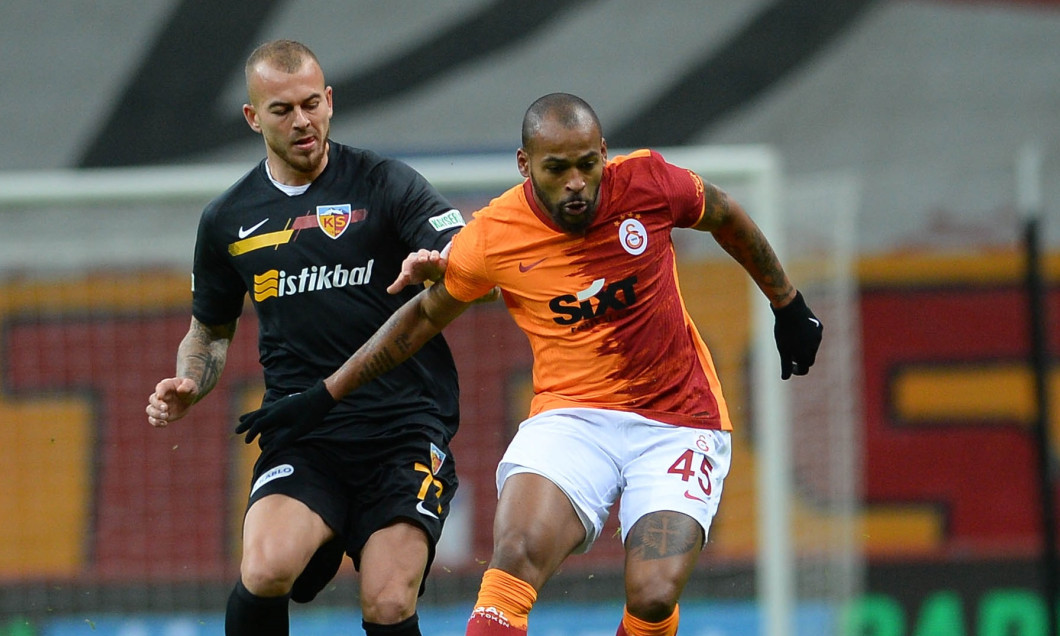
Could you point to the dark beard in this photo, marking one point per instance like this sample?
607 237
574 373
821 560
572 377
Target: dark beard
581 226
555 212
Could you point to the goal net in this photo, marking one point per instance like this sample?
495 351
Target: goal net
105 516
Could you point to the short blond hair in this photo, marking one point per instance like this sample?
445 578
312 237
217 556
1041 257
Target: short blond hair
284 55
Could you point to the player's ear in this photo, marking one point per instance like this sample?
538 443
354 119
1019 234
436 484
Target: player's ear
251 116
523 161
603 149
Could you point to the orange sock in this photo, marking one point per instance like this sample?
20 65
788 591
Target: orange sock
633 626
502 606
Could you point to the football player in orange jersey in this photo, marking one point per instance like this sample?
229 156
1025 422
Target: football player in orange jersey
627 405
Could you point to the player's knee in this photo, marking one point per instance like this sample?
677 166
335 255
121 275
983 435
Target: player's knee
262 577
512 552
388 605
654 602
530 558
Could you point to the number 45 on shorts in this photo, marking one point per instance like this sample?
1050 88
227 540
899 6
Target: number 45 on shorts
693 467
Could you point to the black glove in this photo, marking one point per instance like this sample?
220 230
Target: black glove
798 334
288 418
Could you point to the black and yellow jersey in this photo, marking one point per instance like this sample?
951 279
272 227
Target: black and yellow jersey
316 266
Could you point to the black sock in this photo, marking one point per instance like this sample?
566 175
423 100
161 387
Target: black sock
250 615
408 627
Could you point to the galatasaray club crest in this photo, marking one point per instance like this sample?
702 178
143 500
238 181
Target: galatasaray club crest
334 219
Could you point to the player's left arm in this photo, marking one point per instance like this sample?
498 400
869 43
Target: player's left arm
797 330
740 237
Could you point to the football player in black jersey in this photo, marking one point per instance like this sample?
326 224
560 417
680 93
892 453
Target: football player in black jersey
314 233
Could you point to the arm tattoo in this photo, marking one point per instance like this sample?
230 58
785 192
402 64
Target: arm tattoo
751 250
404 344
202 354
738 235
716 208
209 366
376 366
664 534
383 360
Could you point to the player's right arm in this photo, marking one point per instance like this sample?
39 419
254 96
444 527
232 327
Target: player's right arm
404 333
422 266
201 357
428 267
408 329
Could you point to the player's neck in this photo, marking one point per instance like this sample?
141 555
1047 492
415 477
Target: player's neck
283 174
289 190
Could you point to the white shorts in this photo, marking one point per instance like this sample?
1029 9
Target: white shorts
596 456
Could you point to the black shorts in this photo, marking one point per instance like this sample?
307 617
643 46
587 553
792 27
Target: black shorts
363 486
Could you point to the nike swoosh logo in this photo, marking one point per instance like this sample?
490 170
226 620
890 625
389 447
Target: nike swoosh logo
423 511
250 230
526 268
689 495
816 323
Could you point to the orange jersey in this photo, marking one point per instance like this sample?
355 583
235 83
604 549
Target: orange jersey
603 312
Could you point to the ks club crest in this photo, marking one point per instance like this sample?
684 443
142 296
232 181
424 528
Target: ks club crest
334 219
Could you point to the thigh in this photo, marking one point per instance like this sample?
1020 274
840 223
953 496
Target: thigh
662 549
280 535
673 468
572 449
306 473
296 504
535 528
393 562
409 477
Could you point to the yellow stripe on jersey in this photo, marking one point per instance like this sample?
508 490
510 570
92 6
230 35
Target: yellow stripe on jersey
257 242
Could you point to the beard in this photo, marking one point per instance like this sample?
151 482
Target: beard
573 215
306 163
301 161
